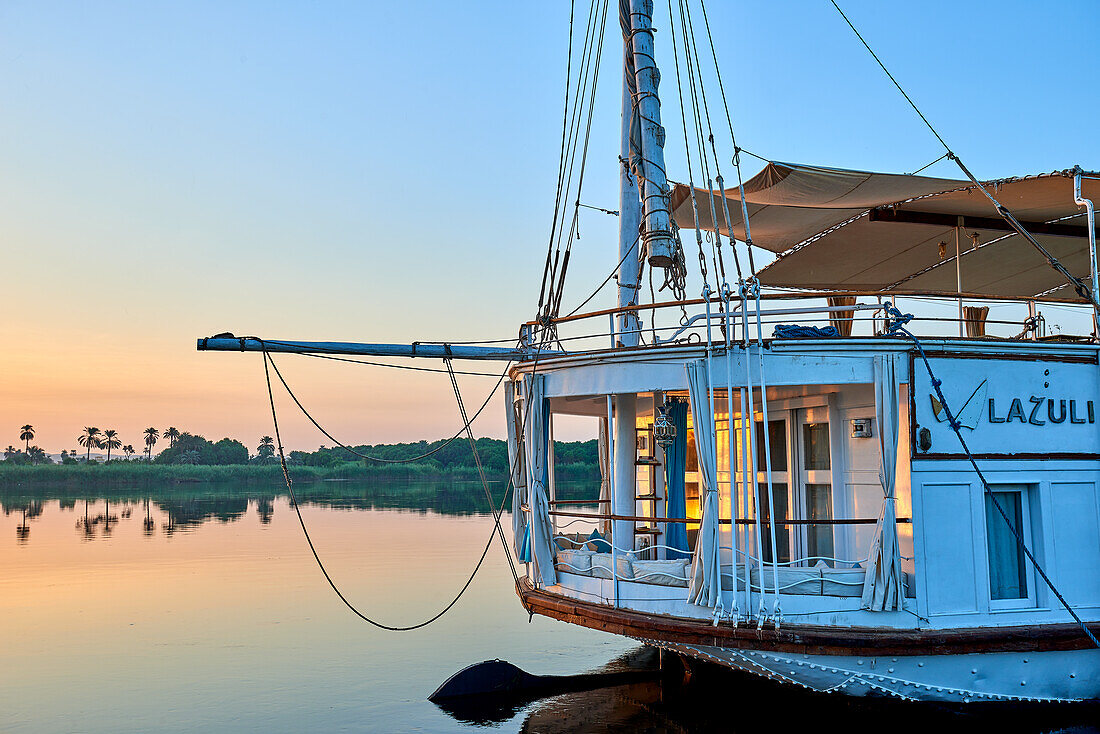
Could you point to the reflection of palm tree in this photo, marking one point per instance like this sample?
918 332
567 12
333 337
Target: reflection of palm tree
23 531
151 436
171 433
27 435
148 524
86 523
90 440
265 508
111 441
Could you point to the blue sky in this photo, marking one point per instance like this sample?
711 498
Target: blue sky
385 172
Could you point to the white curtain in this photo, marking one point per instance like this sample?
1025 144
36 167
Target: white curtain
514 420
705 585
603 449
882 587
536 437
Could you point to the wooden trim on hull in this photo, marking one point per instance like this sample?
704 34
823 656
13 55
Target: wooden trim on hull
803 638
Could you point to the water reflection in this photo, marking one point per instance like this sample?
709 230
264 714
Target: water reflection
182 509
205 600
29 510
713 698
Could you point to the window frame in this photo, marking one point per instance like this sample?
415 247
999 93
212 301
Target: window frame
1027 502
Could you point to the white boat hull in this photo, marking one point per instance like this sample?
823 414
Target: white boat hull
1052 676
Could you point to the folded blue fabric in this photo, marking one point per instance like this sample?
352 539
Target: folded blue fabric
796 331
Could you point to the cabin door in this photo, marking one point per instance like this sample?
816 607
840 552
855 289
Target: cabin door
813 489
780 445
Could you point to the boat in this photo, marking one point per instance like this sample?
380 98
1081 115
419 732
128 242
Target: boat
835 471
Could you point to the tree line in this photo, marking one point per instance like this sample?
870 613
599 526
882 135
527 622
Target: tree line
188 448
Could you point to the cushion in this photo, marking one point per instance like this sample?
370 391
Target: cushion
574 561
842 581
663 573
598 543
601 567
792 580
572 541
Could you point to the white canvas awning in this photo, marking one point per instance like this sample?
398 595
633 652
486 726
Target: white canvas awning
836 229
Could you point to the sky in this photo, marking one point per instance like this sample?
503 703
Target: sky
385 172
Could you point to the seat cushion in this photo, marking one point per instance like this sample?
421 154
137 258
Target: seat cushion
601 567
842 581
663 573
574 561
791 580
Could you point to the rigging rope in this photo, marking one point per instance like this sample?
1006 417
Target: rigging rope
377 459
687 154
733 139
481 469
1077 283
313 549
895 324
574 232
561 157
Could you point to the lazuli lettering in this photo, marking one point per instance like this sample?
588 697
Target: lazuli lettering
1073 413
1036 401
1016 410
993 413
1061 411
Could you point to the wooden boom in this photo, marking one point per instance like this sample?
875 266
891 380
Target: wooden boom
230 343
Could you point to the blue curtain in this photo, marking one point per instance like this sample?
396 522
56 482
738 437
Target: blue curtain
675 465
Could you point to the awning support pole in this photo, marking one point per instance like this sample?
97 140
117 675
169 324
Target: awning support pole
1087 203
958 274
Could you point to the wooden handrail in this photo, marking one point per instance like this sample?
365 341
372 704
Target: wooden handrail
724 521
813 294
579 502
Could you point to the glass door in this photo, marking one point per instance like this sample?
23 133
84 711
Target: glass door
814 495
779 452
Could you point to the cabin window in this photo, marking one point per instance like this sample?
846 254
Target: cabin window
1007 568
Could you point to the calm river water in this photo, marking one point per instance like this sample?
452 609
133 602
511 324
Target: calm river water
200 607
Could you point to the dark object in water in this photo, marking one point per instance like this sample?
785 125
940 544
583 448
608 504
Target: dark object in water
495 690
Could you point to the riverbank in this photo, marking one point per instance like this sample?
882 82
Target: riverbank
143 475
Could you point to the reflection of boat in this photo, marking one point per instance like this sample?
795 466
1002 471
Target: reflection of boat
803 507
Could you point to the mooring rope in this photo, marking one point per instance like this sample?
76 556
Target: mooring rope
313 548
895 324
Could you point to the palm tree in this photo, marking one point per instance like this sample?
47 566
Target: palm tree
128 449
27 435
151 436
90 440
10 451
111 441
36 454
266 447
171 433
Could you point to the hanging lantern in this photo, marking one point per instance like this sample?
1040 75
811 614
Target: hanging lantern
664 430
